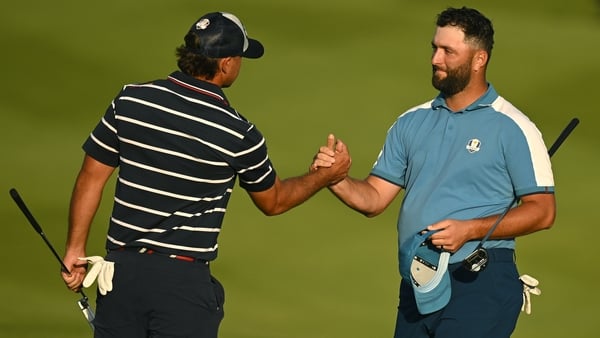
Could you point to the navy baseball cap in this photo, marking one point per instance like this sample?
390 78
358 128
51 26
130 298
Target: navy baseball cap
222 35
426 267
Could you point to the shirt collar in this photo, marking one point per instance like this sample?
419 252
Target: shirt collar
199 86
483 101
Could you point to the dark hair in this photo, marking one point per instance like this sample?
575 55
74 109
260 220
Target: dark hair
477 28
192 63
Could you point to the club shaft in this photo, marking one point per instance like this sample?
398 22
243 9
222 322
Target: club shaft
36 226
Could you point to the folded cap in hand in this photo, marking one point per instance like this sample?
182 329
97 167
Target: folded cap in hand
426 267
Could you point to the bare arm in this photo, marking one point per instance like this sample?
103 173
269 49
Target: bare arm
85 200
536 212
288 193
370 196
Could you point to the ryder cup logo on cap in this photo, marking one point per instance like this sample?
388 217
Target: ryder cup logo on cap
426 267
222 35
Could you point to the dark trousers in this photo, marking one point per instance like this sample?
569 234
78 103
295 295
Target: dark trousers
157 296
483 304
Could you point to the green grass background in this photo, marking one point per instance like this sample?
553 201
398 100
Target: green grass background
343 66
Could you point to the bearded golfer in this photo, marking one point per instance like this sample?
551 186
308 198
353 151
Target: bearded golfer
462 158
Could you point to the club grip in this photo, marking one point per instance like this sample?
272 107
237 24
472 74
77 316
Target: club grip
21 204
563 136
19 201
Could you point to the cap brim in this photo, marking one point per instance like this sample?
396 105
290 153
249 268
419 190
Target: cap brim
435 293
255 49
434 299
426 268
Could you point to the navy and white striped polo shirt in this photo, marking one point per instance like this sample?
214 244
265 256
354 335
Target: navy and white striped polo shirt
179 147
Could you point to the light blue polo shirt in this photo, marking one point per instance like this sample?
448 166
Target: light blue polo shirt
462 165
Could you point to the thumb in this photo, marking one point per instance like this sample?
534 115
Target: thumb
340 146
331 141
441 225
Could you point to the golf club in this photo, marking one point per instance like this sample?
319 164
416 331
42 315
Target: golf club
83 302
478 258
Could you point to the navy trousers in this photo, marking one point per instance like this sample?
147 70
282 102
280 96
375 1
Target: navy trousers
483 304
157 296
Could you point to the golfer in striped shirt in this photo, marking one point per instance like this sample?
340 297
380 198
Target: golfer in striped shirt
179 147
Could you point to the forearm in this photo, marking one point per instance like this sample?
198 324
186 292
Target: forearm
84 204
364 195
286 194
85 199
81 213
533 214
536 212
293 191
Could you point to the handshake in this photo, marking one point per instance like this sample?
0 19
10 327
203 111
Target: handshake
333 161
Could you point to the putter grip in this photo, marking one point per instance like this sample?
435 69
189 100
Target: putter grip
563 136
21 204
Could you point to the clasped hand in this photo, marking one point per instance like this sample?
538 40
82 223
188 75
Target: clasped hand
334 158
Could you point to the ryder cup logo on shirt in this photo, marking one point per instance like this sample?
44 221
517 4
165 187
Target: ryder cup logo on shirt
473 145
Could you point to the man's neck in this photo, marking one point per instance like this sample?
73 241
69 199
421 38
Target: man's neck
467 96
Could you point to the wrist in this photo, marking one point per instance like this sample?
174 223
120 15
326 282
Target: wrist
74 252
337 185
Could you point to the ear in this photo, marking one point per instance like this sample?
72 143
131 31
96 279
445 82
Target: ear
224 64
480 60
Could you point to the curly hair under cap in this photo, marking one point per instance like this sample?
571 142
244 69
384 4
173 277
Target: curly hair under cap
477 28
195 64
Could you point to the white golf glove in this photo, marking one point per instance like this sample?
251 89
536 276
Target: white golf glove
529 287
101 270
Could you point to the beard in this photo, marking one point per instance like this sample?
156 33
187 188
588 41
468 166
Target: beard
455 81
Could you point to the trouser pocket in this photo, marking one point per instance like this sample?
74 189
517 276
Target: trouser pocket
219 292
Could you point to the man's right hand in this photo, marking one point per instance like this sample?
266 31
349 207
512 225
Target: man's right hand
77 270
334 158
